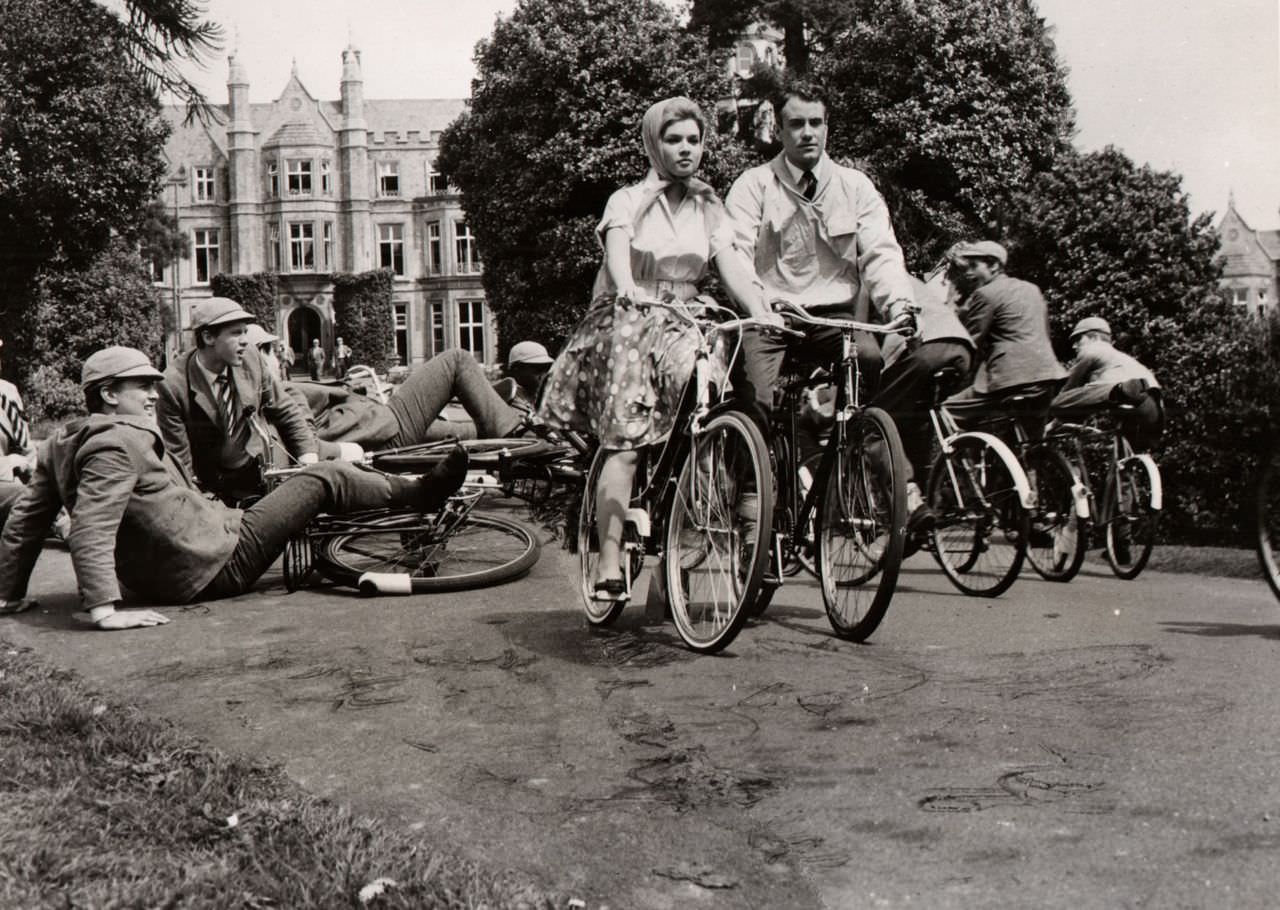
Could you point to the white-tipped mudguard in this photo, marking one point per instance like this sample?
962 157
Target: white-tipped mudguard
1153 477
371 584
1014 467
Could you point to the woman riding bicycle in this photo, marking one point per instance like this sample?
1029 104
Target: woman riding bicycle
622 372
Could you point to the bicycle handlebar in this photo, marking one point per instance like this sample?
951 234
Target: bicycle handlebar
679 310
903 325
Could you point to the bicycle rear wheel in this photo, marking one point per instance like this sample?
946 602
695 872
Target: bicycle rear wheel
980 538
718 532
1130 525
861 523
478 551
1268 520
1056 543
484 453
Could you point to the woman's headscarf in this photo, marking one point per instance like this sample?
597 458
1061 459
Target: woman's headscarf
658 118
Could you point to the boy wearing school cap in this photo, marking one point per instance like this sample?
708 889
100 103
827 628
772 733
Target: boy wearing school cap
1008 320
1102 376
527 365
138 519
214 397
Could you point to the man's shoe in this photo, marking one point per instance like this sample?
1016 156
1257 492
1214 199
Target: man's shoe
442 481
921 521
1040 537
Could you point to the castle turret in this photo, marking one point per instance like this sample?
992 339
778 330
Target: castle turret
242 177
354 166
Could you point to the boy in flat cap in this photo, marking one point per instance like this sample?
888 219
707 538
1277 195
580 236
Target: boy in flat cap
1103 376
1009 322
137 518
212 393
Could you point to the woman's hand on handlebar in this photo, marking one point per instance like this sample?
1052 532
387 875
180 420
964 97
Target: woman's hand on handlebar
631 293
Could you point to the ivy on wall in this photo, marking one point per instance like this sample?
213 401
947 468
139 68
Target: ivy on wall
256 293
362 316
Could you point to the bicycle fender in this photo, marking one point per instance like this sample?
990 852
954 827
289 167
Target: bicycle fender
371 584
1011 463
1153 476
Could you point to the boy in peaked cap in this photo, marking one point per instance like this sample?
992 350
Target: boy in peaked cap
137 518
215 396
1102 377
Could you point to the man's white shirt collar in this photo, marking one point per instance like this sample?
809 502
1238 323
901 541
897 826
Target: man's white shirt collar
819 169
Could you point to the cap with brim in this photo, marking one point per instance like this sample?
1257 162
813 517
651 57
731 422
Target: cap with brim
259 336
983 249
528 352
218 311
1091 324
117 363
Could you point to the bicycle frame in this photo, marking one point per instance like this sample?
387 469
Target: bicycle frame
654 488
848 403
1121 455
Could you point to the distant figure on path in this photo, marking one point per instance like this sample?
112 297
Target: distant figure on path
341 357
315 359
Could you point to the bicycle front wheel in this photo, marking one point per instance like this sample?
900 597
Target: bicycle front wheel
718 532
478 551
861 524
980 538
1131 521
1268 520
1056 543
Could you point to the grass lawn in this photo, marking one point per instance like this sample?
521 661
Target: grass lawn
1224 562
102 806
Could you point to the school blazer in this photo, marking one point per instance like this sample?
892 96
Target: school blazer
136 517
188 415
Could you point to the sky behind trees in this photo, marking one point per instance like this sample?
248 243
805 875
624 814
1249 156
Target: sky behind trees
1184 85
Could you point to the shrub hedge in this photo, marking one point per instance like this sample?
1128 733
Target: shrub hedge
362 316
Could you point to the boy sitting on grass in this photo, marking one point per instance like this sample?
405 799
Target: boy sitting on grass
137 518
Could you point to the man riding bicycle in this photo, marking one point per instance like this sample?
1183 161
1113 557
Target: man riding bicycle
1009 322
819 235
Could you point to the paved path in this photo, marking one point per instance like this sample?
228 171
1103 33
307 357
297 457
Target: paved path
1098 744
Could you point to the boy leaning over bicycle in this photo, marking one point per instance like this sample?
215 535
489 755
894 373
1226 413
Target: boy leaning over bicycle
1102 377
137 518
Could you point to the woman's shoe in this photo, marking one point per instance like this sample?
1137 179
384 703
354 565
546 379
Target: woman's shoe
611 589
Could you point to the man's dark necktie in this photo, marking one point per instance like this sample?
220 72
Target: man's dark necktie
808 185
228 406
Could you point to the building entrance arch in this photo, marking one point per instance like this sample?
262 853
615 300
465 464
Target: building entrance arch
304 325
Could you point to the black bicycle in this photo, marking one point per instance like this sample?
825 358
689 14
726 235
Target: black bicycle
840 512
458 547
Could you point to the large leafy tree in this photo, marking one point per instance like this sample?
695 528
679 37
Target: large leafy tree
1102 235
78 311
809 27
553 129
80 142
160 36
951 105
